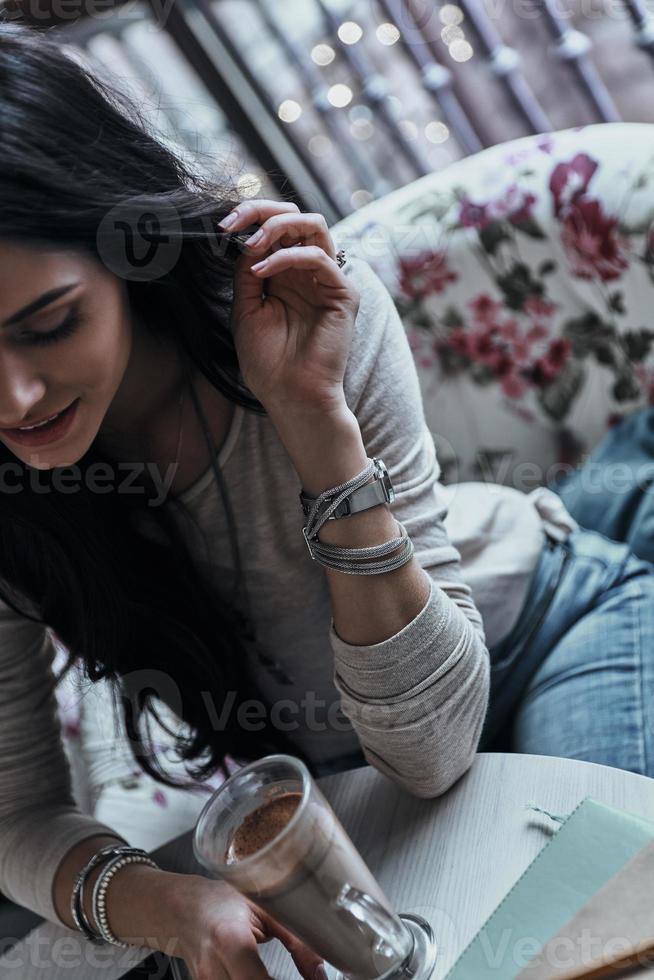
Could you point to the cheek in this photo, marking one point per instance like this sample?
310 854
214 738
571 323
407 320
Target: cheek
103 356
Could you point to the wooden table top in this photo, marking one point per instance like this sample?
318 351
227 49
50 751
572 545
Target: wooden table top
450 860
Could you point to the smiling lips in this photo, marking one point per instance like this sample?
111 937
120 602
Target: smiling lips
48 430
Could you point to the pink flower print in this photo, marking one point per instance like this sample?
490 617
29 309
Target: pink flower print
159 798
485 310
424 274
502 364
482 347
538 308
538 332
558 353
459 341
569 181
72 728
473 215
515 204
521 351
510 329
593 242
552 363
513 385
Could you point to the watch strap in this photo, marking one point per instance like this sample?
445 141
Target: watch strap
370 495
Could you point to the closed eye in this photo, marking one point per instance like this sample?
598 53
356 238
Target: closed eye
65 329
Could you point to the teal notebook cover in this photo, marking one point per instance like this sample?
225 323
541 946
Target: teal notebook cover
592 845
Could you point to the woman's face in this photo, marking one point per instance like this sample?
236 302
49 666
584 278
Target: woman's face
68 355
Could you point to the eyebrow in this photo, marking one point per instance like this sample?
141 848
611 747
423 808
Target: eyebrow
39 304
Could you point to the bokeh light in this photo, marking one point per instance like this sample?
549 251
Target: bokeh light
436 132
362 129
388 34
249 185
323 54
289 111
461 50
450 14
361 197
451 33
320 146
339 95
350 32
360 112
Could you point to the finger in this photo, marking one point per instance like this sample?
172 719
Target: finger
256 212
245 963
248 288
306 257
287 229
304 958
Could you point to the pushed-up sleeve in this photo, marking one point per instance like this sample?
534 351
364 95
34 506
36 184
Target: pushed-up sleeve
417 700
39 819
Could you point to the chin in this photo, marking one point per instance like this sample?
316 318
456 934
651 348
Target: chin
42 459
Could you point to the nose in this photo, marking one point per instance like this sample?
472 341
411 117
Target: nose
21 391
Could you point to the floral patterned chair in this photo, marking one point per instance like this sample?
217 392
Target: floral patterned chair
525 279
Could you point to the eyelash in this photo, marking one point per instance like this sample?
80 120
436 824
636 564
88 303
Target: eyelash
65 329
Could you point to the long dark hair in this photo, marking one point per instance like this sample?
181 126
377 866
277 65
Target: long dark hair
129 606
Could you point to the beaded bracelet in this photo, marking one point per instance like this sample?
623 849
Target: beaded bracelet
98 901
77 897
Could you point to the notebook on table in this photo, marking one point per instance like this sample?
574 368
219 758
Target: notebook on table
588 894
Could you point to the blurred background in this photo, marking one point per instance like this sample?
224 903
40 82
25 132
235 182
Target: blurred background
338 102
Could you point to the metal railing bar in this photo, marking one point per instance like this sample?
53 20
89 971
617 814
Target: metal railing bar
197 30
643 21
332 117
572 48
436 78
375 93
505 63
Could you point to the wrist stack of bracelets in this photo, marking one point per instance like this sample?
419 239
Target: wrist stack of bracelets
353 561
115 857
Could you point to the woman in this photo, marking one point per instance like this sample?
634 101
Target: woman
164 398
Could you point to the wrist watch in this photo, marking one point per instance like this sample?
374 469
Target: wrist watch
378 492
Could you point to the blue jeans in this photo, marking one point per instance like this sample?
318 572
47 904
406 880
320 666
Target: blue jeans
613 492
575 677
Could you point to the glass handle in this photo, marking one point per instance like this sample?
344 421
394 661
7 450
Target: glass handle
391 941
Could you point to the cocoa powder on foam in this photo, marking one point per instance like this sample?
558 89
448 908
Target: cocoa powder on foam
262 825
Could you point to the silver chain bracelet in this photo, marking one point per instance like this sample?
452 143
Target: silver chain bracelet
352 561
99 902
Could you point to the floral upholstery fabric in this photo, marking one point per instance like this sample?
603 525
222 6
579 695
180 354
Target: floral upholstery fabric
524 276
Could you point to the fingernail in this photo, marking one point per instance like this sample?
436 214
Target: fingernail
321 973
254 239
258 266
230 220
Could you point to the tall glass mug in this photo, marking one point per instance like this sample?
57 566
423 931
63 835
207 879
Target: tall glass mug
270 833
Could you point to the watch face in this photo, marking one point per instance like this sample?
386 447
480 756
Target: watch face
384 476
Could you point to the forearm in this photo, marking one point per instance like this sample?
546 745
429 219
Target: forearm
366 609
135 898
